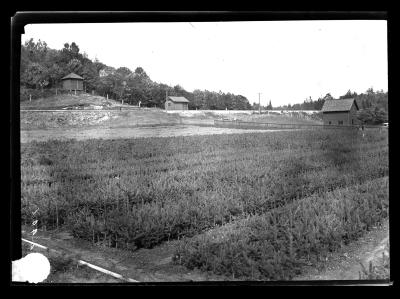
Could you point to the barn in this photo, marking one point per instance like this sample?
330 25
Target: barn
340 112
72 82
176 103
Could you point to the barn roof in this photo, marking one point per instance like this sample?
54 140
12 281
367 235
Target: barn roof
178 99
72 76
338 105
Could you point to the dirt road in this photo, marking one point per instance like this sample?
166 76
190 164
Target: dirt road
127 132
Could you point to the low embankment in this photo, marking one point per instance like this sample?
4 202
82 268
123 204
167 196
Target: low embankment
277 117
31 120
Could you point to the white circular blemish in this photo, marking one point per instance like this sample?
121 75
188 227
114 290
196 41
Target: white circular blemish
33 268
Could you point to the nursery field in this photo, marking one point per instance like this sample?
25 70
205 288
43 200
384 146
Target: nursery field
253 206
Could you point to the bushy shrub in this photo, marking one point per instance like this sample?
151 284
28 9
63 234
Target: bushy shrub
141 192
35 94
275 245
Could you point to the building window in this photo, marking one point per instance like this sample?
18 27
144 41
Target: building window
169 104
330 122
340 122
352 121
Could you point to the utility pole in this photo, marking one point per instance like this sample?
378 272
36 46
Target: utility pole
259 105
166 99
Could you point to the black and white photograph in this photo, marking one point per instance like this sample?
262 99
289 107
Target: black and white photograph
203 152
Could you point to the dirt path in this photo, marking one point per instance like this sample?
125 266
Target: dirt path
144 265
126 132
155 265
345 263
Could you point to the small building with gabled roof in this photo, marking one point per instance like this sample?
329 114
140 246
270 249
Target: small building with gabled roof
72 82
340 112
176 103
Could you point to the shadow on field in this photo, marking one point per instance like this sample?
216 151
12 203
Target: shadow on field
54 156
339 151
342 148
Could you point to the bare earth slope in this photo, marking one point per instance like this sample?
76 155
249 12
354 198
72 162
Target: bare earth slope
34 120
64 101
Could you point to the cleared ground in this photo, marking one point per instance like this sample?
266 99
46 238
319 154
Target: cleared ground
113 124
32 120
134 132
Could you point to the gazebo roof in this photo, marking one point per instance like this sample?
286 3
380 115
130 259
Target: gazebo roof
72 76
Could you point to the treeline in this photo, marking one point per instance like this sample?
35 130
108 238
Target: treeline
308 104
367 100
373 105
42 69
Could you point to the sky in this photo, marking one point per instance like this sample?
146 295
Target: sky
285 61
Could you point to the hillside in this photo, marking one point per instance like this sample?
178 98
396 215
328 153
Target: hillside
31 120
67 101
87 110
43 68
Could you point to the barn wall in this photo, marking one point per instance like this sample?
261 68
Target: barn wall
181 106
73 84
335 117
348 117
353 115
169 105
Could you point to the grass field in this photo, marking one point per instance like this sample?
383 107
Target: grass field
294 118
133 193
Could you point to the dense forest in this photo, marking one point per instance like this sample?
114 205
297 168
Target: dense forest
42 69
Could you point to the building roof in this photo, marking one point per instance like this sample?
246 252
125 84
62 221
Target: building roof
178 99
338 105
72 76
